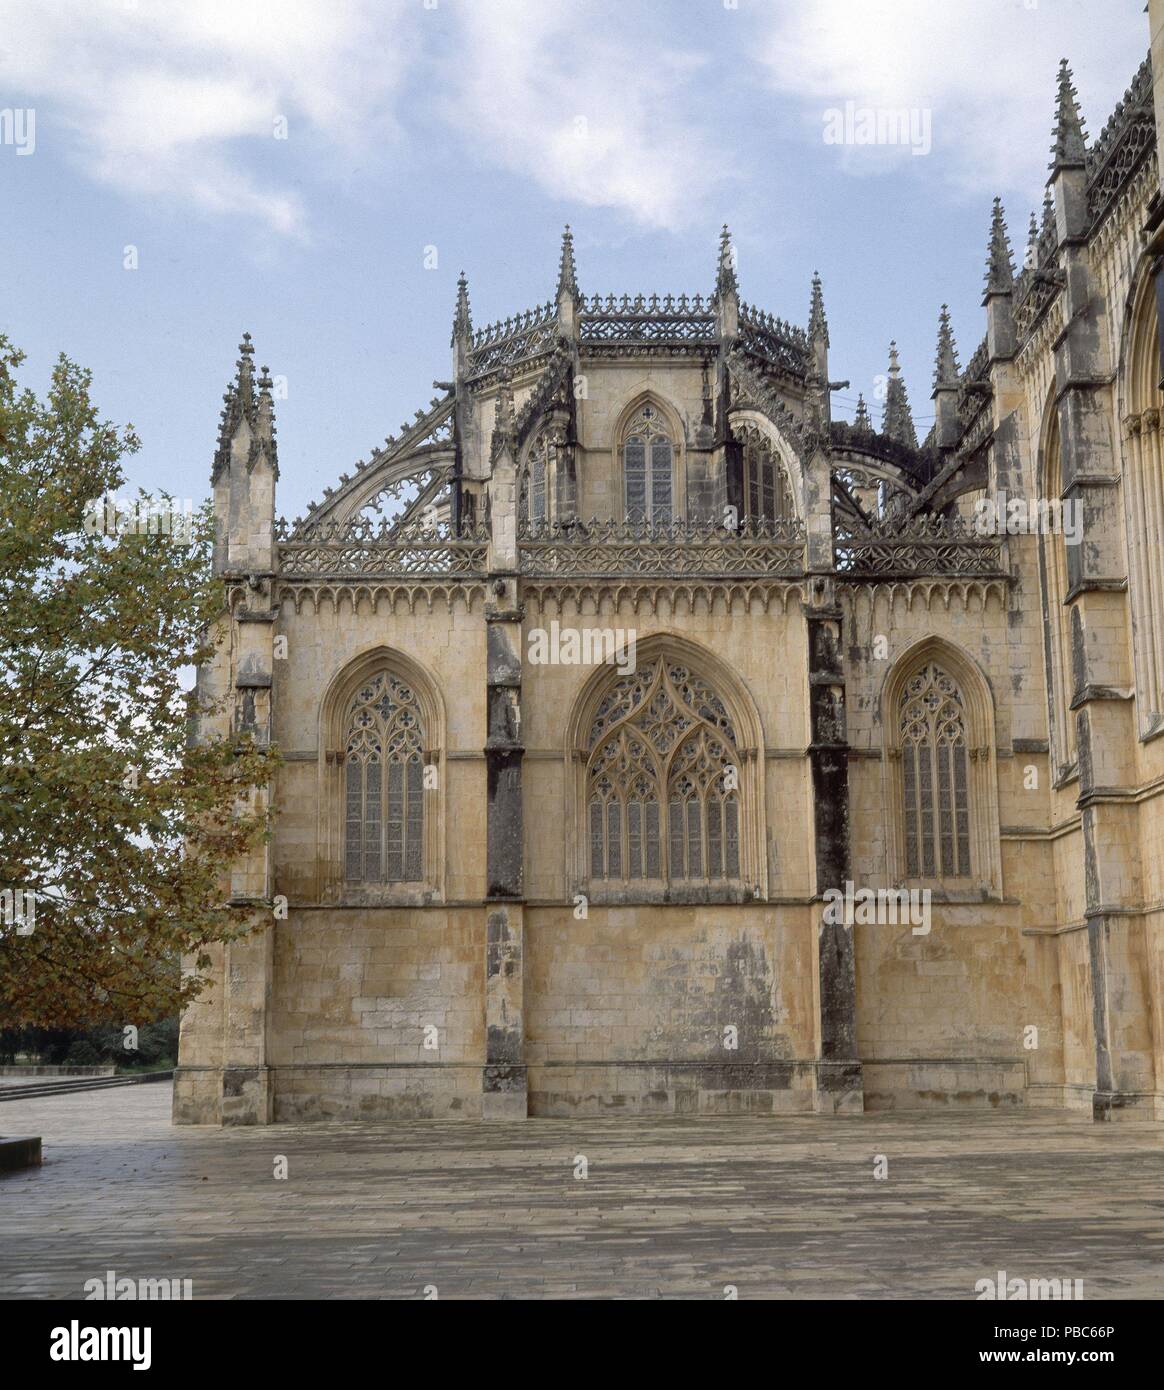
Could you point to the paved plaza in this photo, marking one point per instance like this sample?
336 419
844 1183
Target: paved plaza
675 1208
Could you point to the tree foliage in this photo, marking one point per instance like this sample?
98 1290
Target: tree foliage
121 826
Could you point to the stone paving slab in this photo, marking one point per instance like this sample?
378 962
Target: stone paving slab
674 1208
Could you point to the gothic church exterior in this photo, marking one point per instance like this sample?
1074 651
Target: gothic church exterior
595 679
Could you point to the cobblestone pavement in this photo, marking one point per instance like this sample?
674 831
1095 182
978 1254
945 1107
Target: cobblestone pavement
677 1208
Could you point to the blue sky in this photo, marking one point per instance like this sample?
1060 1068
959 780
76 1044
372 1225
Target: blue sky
479 127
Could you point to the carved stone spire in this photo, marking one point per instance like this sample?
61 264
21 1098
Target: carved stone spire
462 316
861 420
569 300
245 468
999 262
1048 209
567 272
818 327
897 421
945 393
946 369
263 445
238 405
727 291
725 276
1069 150
1031 259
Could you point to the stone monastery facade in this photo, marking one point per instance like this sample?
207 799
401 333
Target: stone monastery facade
596 679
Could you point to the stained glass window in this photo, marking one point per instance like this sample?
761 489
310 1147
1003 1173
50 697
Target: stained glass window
384 785
646 457
766 493
935 776
663 781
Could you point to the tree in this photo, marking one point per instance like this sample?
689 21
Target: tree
121 826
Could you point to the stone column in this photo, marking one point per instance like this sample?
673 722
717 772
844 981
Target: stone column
839 1086
1101 679
504 1082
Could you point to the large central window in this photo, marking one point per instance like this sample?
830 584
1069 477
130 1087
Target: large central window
384 785
647 454
663 782
936 782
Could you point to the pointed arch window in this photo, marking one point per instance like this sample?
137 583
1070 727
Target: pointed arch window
935 776
648 473
384 784
539 478
546 489
663 782
767 496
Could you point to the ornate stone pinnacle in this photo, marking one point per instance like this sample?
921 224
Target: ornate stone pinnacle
818 327
861 420
1069 150
462 316
567 272
725 278
897 421
999 262
946 370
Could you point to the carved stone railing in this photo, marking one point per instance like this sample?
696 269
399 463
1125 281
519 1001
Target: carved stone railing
922 545
679 550
777 342
1124 142
651 318
513 340
380 548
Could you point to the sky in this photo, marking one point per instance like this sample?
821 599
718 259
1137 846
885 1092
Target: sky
319 173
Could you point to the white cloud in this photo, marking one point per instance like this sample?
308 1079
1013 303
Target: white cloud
985 68
596 102
179 102
589 104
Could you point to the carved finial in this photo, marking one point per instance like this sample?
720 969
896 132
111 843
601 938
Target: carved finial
462 317
1048 228
999 262
238 405
946 363
818 327
725 278
1069 150
861 420
1031 259
897 421
567 273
